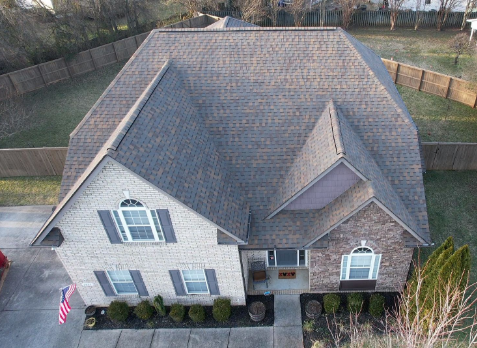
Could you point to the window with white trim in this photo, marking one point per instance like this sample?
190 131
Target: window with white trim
136 223
122 282
362 263
195 281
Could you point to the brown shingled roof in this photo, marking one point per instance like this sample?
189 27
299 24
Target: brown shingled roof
260 93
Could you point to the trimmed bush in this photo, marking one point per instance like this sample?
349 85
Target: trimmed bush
197 313
158 304
331 303
118 311
376 305
144 310
355 302
222 309
177 312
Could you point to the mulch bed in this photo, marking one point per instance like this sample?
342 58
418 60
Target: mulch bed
238 318
321 331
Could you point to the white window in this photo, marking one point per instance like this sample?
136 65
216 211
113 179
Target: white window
195 281
122 282
136 223
362 263
286 258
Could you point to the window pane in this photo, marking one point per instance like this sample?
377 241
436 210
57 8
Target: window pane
196 287
117 276
141 232
301 258
194 275
271 258
344 267
361 261
286 257
358 273
377 258
125 288
160 235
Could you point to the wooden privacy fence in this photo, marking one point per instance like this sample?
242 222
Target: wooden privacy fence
431 82
42 75
32 162
314 18
51 160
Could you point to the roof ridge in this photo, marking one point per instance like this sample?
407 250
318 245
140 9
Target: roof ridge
121 130
336 129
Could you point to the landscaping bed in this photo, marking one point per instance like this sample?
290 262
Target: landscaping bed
317 329
238 318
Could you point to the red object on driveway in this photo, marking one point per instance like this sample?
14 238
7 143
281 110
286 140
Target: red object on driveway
3 260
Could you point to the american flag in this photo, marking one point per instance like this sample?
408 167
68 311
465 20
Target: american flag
64 305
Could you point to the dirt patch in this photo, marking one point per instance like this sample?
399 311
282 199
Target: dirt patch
238 318
318 330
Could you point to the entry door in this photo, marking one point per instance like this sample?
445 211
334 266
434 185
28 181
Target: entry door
287 258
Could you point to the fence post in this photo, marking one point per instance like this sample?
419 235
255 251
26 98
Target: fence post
41 74
13 83
67 67
397 72
420 80
448 87
92 60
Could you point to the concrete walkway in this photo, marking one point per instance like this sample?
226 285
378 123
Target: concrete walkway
287 331
30 297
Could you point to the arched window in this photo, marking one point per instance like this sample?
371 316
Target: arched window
136 223
362 263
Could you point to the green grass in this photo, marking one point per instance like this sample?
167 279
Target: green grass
440 119
452 210
425 48
29 190
59 108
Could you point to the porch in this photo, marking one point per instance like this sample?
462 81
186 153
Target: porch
297 285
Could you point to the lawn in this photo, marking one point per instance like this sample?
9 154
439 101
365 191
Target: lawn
452 210
29 190
425 48
440 119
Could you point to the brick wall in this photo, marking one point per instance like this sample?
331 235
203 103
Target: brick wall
382 234
87 248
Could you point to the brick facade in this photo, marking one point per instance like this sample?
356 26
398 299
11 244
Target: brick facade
87 248
384 235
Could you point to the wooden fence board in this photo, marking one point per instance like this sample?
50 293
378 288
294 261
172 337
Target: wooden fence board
54 71
465 157
81 63
7 89
141 37
444 158
435 83
461 91
409 76
429 152
27 80
103 55
392 68
125 48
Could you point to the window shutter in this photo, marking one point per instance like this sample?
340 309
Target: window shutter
109 226
177 282
166 225
104 282
344 266
139 283
212 282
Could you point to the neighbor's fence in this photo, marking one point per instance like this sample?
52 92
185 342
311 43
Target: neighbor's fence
360 18
42 75
51 160
32 162
431 82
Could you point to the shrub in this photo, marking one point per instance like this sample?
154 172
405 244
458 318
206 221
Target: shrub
177 312
308 325
331 303
222 309
355 302
118 311
158 304
376 305
144 310
197 313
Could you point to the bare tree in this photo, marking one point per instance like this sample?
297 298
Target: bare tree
273 11
446 6
419 13
469 8
195 6
252 10
459 44
298 9
14 117
347 8
394 7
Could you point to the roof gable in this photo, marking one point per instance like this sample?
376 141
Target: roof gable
230 22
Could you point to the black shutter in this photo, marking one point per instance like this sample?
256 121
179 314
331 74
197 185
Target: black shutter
140 286
166 224
110 226
104 282
212 282
177 282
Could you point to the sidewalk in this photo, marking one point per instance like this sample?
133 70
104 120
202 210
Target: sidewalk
30 298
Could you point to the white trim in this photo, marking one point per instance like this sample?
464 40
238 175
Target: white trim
297 258
314 181
372 265
114 287
195 281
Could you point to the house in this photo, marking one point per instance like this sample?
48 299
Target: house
214 148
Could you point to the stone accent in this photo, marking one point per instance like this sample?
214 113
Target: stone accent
381 232
87 248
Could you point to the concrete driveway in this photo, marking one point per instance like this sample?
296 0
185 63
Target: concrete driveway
30 298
